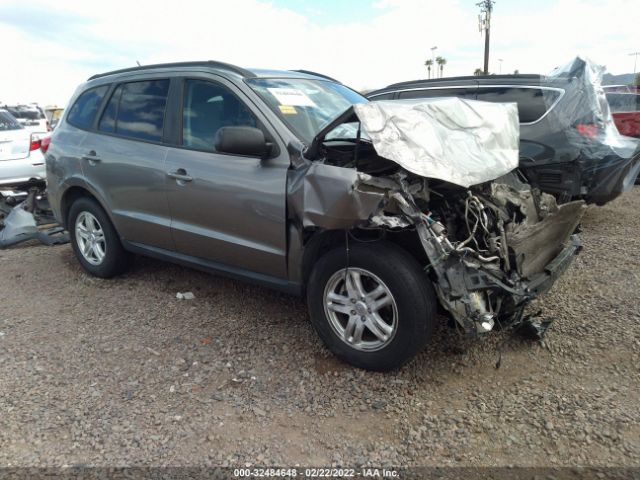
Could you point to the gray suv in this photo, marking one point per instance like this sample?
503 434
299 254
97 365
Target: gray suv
266 176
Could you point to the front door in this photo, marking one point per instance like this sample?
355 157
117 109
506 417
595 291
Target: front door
226 209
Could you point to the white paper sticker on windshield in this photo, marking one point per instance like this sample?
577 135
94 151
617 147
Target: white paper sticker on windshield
292 97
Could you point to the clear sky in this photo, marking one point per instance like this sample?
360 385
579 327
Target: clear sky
50 47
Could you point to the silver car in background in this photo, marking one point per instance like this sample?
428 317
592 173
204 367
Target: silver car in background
21 158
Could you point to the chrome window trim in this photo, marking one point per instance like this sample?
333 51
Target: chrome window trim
556 89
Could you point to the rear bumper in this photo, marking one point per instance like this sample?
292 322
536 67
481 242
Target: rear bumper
15 172
612 177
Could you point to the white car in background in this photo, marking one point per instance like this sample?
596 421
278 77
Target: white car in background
30 117
21 156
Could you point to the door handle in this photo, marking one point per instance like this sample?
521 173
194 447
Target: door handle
92 156
181 175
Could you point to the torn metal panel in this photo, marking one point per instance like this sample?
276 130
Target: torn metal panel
535 245
463 142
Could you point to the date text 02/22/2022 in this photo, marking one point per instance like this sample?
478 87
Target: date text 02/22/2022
315 473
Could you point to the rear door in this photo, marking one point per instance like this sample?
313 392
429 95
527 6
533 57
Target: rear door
231 210
123 160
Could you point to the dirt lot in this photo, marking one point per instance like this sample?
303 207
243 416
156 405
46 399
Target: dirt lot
120 372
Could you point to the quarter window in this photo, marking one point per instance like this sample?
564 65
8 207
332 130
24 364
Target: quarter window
208 107
85 107
136 110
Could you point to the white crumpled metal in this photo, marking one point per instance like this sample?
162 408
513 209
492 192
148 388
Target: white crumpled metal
464 142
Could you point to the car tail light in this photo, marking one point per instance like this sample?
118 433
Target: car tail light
587 130
44 144
35 143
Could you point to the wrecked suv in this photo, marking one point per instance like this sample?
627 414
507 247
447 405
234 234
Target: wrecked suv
377 212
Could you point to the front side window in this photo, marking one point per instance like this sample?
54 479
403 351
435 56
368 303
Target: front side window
207 108
306 106
86 106
136 110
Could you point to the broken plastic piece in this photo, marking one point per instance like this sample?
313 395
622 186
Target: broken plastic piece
20 226
533 328
185 296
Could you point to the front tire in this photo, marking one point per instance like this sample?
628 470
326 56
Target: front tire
377 312
95 241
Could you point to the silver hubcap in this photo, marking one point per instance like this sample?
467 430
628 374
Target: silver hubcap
90 238
361 309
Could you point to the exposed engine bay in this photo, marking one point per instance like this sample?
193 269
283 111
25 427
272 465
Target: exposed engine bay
489 248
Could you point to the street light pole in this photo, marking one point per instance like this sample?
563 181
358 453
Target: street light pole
500 63
486 7
433 54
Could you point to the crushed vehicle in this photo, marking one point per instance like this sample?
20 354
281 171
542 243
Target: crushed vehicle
25 215
376 212
569 144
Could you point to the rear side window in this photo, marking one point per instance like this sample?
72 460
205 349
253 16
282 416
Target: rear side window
84 110
532 102
208 107
7 122
466 93
136 110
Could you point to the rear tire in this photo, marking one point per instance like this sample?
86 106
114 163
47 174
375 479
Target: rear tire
95 241
395 298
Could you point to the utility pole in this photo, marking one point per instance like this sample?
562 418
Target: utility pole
484 23
635 63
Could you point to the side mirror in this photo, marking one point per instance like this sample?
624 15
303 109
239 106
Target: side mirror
247 141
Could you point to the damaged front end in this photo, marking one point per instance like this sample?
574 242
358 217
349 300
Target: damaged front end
489 242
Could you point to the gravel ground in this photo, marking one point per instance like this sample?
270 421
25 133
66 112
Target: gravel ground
120 372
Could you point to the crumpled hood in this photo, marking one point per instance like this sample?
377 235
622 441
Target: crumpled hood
464 142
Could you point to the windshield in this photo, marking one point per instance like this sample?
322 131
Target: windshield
306 106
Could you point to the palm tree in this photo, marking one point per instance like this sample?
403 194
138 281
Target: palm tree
441 61
478 71
428 64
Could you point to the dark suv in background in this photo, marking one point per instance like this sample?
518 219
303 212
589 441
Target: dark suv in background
567 148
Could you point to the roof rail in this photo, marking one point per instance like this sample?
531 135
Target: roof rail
321 75
206 63
466 77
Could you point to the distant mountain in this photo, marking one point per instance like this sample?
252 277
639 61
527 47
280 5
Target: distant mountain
624 79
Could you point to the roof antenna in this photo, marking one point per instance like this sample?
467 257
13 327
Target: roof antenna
138 63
